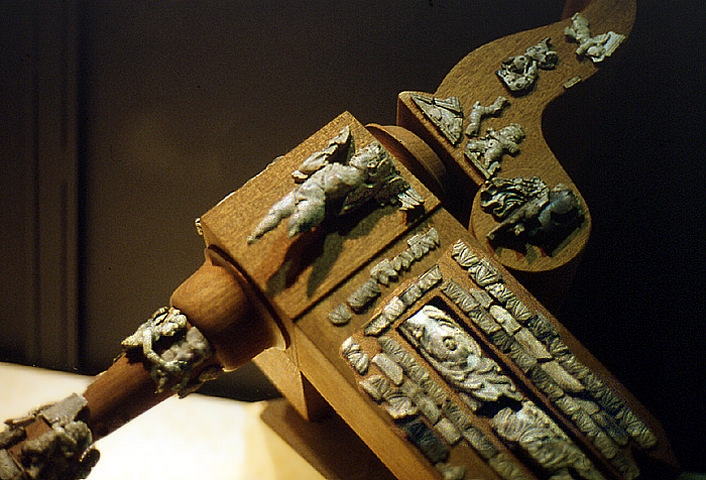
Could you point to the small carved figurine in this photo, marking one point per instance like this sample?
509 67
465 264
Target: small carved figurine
332 183
527 208
445 114
479 111
596 48
174 362
519 73
487 152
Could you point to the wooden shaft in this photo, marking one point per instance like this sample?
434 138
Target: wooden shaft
120 394
215 300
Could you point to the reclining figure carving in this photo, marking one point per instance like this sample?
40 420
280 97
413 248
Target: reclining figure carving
333 182
597 47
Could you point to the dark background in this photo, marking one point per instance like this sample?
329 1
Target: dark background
178 103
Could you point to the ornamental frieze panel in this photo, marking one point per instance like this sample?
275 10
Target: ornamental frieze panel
460 363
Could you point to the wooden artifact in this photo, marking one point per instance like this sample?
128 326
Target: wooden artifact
355 279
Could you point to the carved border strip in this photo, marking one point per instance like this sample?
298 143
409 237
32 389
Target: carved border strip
385 272
537 349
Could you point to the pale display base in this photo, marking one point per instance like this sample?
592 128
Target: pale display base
197 437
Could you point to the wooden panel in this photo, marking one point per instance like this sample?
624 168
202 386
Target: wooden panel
474 79
316 342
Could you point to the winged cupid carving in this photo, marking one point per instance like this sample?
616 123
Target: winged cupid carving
335 181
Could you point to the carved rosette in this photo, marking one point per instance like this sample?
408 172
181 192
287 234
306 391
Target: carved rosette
436 355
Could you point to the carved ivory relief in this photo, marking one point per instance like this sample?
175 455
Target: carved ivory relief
445 114
180 351
385 272
426 357
598 47
527 209
486 152
458 358
520 73
64 450
335 181
478 112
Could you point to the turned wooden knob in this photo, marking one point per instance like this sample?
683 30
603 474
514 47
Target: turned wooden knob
218 302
